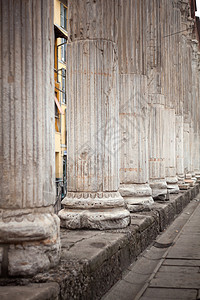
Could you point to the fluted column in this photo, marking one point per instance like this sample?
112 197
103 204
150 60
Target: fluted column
187 105
134 186
156 101
170 43
93 199
194 108
29 230
180 77
197 165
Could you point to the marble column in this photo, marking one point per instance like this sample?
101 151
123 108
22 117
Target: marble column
93 199
197 165
188 106
170 45
133 97
179 77
194 108
156 101
29 229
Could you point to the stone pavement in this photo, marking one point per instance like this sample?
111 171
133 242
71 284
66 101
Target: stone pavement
170 268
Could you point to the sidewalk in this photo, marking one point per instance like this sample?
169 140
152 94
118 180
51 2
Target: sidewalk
170 268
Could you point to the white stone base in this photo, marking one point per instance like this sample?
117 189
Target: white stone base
180 178
101 210
191 179
159 189
197 175
136 196
30 243
172 185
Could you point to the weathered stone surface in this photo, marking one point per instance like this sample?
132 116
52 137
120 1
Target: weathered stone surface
178 280
30 259
31 227
41 291
169 294
181 262
137 196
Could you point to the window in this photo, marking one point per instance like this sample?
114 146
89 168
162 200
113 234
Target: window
63 49
64 85
63 16
63 24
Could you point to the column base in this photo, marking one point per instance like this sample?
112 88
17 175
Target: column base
197 175
159 189
190 179
137 197
29 242
180 178
181 182
172 185
101 210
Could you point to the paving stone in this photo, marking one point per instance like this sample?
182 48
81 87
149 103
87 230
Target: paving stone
179 269
158 293
41 291
180 251
169 294
181 262
144 266
155 253
122 291
136 278
176 280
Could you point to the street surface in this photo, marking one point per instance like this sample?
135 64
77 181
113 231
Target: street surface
170 268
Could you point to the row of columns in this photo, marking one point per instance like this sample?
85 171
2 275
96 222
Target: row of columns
133 119
133 96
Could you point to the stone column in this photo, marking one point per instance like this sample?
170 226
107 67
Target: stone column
134 186
171 25
180 74
188 108
194 108
29 230
156 101
187 74
93 199
197 165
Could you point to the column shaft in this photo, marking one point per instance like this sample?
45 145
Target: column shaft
29 230
93 200
134 114
171 24
156 101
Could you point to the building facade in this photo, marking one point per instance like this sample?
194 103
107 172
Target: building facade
61 37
